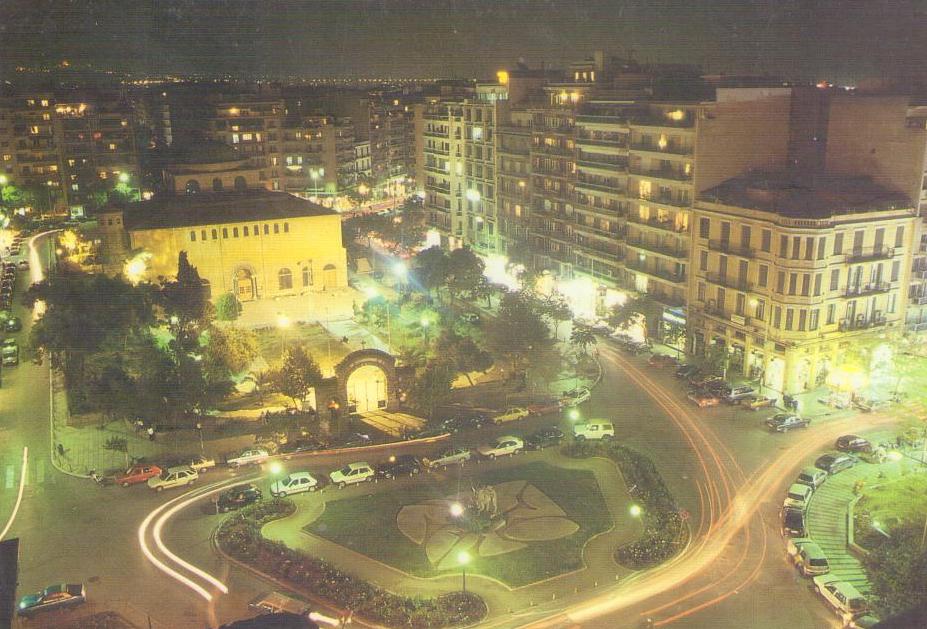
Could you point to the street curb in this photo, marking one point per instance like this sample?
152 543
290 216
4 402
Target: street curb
51 427
434 439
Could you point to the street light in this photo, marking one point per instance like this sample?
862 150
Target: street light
276 468
573 415
456 509
635 511
463 558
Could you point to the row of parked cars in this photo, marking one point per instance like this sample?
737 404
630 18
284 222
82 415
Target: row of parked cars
808 557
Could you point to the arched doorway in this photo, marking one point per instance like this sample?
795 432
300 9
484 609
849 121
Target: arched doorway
329 276
245 289
240 184
367 389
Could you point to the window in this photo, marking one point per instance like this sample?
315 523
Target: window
813 320
215 234
817 284
720 298
780 282
217 185
831 313
760 309
896 270
202 234
745 236
740 303
892 302
704 227
805 284
225 232
285 279
766 241
789 318
701 291
193 236
802 319
763 275
834 279
793 283
838 244
192 187
286 228
257 232
703 260
725 225
307 275
234 232
777 317
266 229
783 246
899 236
796 247
809 248
879 238
240 184
244 231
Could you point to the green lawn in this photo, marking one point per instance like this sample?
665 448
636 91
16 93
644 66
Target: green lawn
367 524
897 503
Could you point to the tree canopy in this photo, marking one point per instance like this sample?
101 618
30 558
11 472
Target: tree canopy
297 374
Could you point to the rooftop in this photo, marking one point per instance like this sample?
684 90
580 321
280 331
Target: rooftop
817 196
219 207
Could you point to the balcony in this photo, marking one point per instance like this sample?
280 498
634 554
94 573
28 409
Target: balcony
665 200
673 301
725 246
509 150
606 142
600 186
436 169
686 122
729 282
612 233
562 128
436 134
437 150
665 225
866 289
669 149
662 274
549 171
671 174
870 253
550 149
602 119
861 323
600 161
672 252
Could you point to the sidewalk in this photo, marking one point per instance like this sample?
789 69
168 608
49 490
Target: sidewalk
324 306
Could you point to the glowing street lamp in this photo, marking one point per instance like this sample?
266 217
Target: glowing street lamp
456 509
283 321
573 415
123 177
463 558
400 270
635 511
276 468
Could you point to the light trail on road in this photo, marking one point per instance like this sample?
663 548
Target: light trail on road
19 496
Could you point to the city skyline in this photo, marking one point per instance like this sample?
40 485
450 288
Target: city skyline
828 41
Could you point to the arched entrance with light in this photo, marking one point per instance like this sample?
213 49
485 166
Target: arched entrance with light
367 389
245 288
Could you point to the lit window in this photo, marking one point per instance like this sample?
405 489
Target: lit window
44 103
234 138
477 133
112 146
7 157
70 162
33 130
46 116
245 137
124 123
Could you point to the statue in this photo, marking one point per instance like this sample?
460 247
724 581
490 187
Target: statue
485 500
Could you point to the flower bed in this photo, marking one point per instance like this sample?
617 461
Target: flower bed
240 536
664 530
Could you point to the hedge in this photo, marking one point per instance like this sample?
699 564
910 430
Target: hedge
240 537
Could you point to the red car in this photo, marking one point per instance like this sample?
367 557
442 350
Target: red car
138 474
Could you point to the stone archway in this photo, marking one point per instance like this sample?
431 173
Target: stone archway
367 381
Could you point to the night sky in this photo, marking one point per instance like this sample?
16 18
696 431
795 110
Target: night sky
840 40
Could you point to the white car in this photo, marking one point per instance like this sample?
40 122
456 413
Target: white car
251 456
295 483
840 595
202 463
352 473
575 397
173 477
510 415
507 445
798 496
594 430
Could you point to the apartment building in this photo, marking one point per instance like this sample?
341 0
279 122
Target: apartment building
68 148
514 182
251 123
442 169
318 155
789 274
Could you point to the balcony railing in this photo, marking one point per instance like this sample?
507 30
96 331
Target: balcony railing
677 278
667 225
870 253
664 121
862 323
669 149
662 173
673 301
673 252
601 186
867 289
615 165
550 149
725 246
615 143
665 200
729 282
602 119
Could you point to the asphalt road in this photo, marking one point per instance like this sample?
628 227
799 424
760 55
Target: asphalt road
728 473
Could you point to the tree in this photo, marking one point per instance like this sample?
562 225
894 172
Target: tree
229 350
463 353
639 308
464 272
559 311
228 308
518 329
583 338
898 570
186 303
83 314
484 290
432 386
431 268
297 374
118 444
714 360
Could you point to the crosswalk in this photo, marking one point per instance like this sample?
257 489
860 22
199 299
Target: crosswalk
37 475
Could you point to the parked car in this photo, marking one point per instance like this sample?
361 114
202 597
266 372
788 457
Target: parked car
10 360
740 393
784 422
840 595
277 603
402 465
852 443
594 430
686 371
137 474
238 497
173 477
540 439
465 421
351 474
704 381
508 445
544 407
811 476
248 456
862 620
797 496
13 324
58 596
298 446
510 415
836 462
704 397
662 360
201 463
811 560
575 397
351 440
793 523
756 402
793 546
293 483
470 317
451 456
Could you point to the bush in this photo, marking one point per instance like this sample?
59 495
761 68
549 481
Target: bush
240 536
664 530
228 308
898 570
